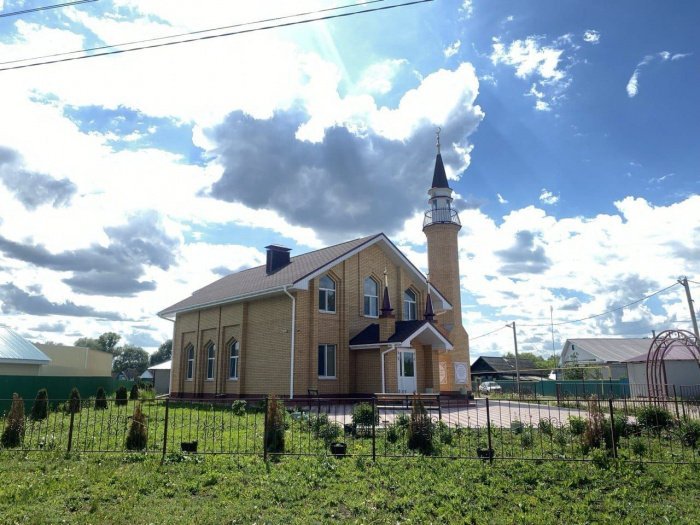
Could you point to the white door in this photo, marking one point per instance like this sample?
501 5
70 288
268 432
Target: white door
407 371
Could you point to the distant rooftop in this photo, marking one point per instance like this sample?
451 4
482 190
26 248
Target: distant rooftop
16 349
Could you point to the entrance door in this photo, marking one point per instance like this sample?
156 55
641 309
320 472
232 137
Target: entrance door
407 371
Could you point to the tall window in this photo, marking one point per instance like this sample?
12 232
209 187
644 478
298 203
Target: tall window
371 297
326 361
326 294
211 360
234 354
189 351
409 305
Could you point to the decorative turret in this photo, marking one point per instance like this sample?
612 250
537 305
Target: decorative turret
441 211
386 301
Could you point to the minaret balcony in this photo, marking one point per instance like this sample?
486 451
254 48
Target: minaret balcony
441 216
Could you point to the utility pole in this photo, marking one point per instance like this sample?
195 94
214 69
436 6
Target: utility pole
684 282
517 366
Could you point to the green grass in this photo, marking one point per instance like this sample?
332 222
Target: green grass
41 488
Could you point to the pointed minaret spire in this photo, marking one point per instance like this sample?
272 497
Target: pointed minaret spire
429 314
386 301
439 175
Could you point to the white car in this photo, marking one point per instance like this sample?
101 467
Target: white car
490 387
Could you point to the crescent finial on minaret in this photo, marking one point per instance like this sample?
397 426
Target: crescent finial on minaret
437 143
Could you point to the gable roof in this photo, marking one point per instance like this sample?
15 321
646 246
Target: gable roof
17 350
404 333
500 364
608 349
255 282
677 352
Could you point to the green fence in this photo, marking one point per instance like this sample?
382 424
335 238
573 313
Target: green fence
59 387
617 388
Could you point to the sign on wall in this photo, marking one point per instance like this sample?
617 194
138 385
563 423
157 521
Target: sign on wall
443 373
460 373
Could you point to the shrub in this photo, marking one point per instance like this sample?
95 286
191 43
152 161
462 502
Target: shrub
516 426
100 399
317 422
274 426
653 417
445 433
527 439
420 429
14 424
601 458
364 415
40 407
330 432
594 434
560 438
134 394
393 432
120 397
546 426
73 403
638 447
620 428
137 438
690 433
402 421
238 407
577 425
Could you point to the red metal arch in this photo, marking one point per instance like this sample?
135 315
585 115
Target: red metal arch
660 347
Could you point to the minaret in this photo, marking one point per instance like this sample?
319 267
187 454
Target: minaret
441 227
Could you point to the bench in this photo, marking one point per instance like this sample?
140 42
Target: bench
431 402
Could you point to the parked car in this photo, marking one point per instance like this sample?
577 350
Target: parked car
490 387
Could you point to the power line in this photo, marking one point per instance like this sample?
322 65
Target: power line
603 313
45 7
487 333
206 37
178 35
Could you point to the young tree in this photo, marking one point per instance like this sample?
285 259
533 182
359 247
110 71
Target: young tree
138 435
120 397
100 399
14 426
40 406
163 354
74 401
134 394
131 357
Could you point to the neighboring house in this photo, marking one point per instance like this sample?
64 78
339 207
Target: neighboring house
682 371
611 354
130 374
75 361
494 368
161 377
356 318
19 357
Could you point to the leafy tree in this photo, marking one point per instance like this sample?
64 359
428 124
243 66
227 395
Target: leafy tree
108 342
541 363
572 369
131 357
163 354
87 342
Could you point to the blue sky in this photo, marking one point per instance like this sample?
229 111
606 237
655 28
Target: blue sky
569 133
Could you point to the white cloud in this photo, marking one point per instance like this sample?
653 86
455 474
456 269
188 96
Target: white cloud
678 56
452 49
548 197
378 77
632 86
500 198
467 8
529 58
591 36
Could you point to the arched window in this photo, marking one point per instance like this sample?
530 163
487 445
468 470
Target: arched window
234 355
189 352
326 294
409 305
211 360
371 292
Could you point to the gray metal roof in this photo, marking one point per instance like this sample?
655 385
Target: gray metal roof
167 365
16 349
612 349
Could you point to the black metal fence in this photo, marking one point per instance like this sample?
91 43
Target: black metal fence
575 429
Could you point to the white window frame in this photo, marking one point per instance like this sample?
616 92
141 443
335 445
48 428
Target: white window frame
324 292
325 348
189 370
407 303
373 299
211 361
236 359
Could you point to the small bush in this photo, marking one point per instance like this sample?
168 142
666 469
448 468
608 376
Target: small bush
317 422
594 435
690 433
577 425
100 399
393 433
274 426
137 438
560 438
330 432
134 394
402 421
444 433
120 397
653 417
40 407
73 403
14 424
238 407
420 429
364 415
601 458
527 439
638 447
546 426
516 426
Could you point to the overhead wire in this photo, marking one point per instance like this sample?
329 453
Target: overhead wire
487 333
203 37
45 8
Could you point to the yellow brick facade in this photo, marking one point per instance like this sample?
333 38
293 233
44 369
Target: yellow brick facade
263 326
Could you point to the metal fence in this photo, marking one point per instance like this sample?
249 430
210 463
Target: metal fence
575 429
602 388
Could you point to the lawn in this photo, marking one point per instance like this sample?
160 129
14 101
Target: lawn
135 488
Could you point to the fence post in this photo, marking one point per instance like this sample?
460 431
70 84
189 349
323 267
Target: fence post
675 402
165 431
374 428
488 430
70 427
267 400
612 427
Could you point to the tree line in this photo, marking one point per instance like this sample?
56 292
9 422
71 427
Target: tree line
127 356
